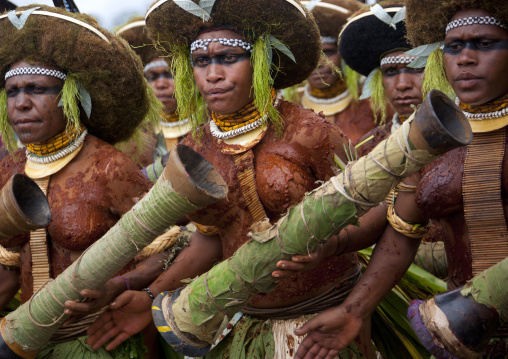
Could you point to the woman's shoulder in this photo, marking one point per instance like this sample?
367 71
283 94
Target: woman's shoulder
309 128
11 164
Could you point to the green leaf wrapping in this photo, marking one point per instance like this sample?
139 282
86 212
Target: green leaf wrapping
489 288
136 229
226 288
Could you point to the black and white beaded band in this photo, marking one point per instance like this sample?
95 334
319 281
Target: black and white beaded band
203 44
328 40
155 64
397 60
474 20
35 71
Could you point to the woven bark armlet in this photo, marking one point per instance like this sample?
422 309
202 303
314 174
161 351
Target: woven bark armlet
410 230
209 231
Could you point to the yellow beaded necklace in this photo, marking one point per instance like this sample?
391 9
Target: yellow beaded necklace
492 106
329 92
55 143
246 115
171 117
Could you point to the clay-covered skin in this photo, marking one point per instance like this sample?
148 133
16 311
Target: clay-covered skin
285 170
356 120
87 197
439 196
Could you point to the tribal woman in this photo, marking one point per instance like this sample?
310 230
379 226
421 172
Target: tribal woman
70 90
465 42
392 83
327 90
171 129
230 60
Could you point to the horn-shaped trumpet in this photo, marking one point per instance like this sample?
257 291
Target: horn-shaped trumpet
189 182
23 208
195 313
458 324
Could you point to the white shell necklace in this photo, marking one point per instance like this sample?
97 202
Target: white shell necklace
174 124
483 115
60 154
217 133
325 101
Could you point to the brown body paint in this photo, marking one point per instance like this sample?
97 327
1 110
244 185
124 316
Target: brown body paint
87 197
285 170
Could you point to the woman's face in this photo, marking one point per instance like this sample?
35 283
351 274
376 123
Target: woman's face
223 73
476 60
161 81
323 76
403 85
32 105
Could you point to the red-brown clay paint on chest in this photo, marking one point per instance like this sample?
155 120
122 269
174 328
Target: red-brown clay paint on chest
83 203
285 169
356 120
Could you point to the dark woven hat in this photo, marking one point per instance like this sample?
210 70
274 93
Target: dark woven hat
427 19
136 34
331 15
365 38
102 62
286 20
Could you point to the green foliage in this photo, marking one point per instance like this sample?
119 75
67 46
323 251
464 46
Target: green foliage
6 130
263 82
435 76
352 80
69 100
377 99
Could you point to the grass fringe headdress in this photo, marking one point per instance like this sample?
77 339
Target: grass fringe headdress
285 38
93 59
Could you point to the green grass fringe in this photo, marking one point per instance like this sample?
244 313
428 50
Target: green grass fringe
435 75
378 100
6 131
352 80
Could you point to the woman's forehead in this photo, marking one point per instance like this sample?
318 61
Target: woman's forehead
224 33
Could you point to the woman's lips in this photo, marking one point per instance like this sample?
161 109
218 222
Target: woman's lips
406 101
216 92
467 79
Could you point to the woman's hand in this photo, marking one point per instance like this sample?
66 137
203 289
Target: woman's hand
328 333
298 263
127 316
95 300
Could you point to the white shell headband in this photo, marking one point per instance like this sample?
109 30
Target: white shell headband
399 59
35 71
474 20
154 64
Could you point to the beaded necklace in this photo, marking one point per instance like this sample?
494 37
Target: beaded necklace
56 147
490 110
224 126
173 120
328 93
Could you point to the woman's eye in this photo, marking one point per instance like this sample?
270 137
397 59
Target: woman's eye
202 61
390 71
12 92
455 46
230 58
485 43
37 89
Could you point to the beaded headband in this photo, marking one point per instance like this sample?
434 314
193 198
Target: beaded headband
474 20
154 64
130 26
328 40
203 44
35 71
398 60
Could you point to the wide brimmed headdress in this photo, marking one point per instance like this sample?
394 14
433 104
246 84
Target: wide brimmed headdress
371 33
104 87
136 34
285 38
427 23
